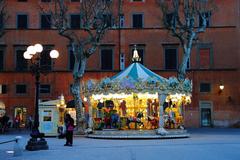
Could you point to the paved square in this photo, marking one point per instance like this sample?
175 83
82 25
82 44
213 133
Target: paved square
204 144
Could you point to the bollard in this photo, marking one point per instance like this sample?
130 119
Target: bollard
17 147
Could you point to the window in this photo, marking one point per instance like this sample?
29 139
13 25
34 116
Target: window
71 59
45 88
47 115
170 58
22 0
46 0
106 59
108 20
3 88
22 21
140 53
70 88
75 0
21 88
204 58
137 20
1 59
75 21
121 20
21 62
107 1
46 21
170 20
207 15
46 61
1 22
205 87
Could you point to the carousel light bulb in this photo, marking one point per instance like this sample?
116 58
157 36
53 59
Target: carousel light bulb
101 100
85 99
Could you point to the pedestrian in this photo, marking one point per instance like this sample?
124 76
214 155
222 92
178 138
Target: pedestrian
69 122
30 122
17 121
5 120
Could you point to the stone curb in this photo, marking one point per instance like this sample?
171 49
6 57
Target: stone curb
138 136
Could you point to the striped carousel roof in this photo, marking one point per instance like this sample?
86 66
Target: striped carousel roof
136 72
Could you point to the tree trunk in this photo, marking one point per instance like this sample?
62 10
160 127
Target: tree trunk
187 47
183 66
76 88
78 72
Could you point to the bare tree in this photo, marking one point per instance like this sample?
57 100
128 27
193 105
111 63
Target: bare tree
180 17
3 17
95 18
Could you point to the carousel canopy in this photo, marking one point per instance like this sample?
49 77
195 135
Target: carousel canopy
137 79
137 72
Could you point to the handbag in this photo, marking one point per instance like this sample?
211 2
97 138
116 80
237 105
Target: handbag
70 128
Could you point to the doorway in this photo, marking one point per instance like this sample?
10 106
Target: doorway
206 114
22 112
2 109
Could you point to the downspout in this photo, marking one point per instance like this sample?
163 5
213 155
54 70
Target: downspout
119 31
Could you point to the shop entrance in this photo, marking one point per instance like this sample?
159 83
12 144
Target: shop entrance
206 114
21 112
2 109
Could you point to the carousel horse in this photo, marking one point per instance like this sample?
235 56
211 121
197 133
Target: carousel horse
137 120
153 120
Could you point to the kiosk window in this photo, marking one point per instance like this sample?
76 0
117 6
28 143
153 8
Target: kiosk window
47 115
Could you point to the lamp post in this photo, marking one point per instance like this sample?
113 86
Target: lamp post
33 54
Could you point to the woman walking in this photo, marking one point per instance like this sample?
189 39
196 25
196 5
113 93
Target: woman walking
69 122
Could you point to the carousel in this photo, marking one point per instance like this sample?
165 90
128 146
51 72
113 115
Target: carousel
137 99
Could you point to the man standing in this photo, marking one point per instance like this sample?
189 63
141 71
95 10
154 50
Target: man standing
69 122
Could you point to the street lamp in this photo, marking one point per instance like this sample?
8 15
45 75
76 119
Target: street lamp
33 54
221 87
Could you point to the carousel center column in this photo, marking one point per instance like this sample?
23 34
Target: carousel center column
161 130
90 119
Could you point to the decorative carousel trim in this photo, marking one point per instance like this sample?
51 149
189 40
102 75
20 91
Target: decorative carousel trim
128 86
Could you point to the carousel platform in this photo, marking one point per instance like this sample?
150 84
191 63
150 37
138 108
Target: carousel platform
138 134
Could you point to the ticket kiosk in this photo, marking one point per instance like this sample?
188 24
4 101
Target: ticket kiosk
51 116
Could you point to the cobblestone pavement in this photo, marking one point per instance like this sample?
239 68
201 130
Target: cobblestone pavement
203 144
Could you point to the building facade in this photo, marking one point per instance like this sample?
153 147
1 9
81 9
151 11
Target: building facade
214 60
